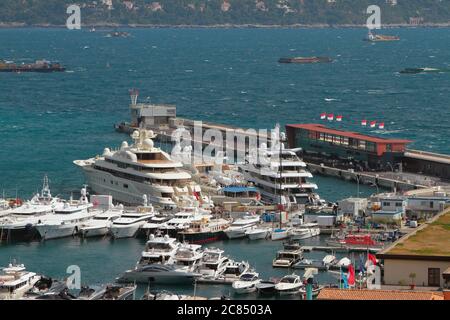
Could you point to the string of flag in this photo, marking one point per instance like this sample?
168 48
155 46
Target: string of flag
339 118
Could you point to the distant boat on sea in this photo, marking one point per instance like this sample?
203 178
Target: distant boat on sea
423 70
305 60
372 37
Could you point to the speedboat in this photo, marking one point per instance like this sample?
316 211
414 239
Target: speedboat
290 284
247 283
108 292
305 231
257 233
129 222
15 281
101 224
266 287
280 233
240 226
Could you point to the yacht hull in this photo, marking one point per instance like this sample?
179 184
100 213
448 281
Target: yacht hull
159 277
48 232
25 234
94 232
125 232
201 238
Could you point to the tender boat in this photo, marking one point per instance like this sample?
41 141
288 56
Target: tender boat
129 222
257 233
371 37
305 231
15 281
304 60
247 283
280 233
290 284
240 226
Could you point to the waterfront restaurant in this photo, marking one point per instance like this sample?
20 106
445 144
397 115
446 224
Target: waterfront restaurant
421 258
374 152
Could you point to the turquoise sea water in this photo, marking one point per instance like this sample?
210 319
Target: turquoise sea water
229 76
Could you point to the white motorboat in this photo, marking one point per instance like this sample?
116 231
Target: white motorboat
213 263
129 222
101 224
247 283
15 281
239 227
304 231
280 234
290 284
66 221
183 219
189 256
159 250
234 270
257 233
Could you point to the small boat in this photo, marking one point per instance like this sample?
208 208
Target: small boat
166 295
234 270
240 226
290 284
247 283
304 60
280 233
305 231
129 223
420 70
371 37
308 263
266 287
258 233
100 225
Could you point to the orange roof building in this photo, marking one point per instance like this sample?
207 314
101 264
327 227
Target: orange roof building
365 294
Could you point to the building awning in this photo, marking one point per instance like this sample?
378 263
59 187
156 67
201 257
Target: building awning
239 189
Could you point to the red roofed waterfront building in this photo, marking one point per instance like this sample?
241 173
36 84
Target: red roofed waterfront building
331 143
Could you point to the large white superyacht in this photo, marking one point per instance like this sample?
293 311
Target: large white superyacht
140 169
280 175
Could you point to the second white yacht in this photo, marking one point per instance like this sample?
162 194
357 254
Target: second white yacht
240 226
66 221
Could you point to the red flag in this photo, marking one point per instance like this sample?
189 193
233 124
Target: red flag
351 275
339 118
373 124
372 258
381 125
323 116
330 117
364 123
